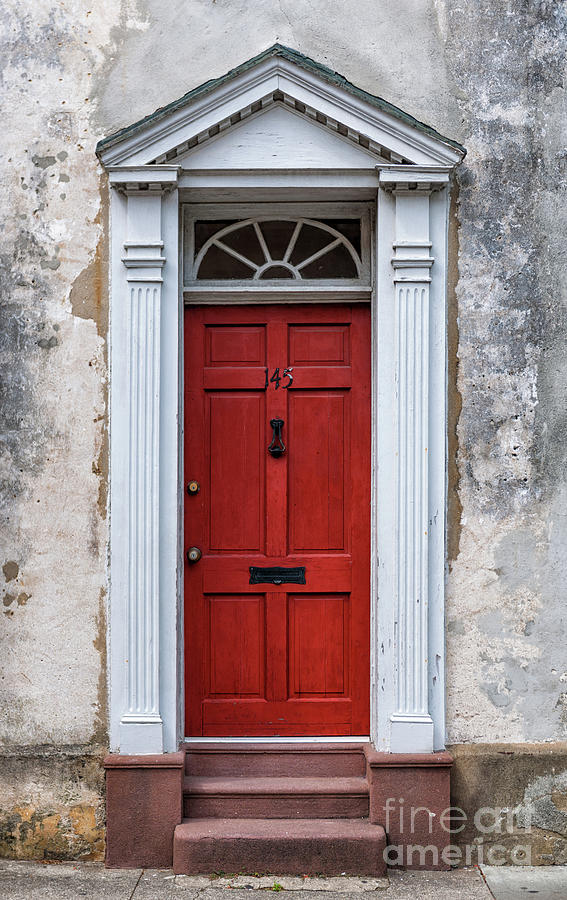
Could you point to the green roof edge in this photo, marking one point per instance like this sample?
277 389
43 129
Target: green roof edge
305 62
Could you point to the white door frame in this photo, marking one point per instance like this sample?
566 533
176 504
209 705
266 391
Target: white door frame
408 467
322 139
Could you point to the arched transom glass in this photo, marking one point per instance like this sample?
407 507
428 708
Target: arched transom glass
277 249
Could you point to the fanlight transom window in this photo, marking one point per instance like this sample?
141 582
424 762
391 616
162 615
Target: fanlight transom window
277 249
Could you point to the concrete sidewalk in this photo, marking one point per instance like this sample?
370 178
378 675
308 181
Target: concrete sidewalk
69 881
539 882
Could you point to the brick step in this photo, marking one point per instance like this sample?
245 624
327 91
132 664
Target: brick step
279 846
313 760
275 798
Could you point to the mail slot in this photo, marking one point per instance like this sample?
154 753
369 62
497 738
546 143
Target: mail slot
277 575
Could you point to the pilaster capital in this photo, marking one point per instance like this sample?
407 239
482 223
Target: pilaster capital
143 188
413 179
411 187
143 179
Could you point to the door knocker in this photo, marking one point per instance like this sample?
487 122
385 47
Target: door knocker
277 446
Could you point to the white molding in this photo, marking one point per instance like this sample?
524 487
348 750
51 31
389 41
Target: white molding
410 178
270 210
411 733
138 420
290 185
381 127
137 178
410 538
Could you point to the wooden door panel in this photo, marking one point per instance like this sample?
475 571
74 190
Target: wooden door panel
327 345
235 444
222 378
317 377
324 716
235 345
235 646
285 659
317 468
329 572
318 657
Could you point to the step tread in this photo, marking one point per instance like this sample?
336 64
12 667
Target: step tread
281 829
280 784
291 846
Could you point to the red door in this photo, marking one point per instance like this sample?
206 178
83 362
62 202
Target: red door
265 653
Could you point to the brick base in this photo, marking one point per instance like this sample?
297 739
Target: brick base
143 807
409 793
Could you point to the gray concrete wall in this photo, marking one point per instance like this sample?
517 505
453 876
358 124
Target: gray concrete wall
489 73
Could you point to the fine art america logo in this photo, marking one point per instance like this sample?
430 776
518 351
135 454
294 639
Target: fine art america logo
491 843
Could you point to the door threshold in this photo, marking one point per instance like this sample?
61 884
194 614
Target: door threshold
325 739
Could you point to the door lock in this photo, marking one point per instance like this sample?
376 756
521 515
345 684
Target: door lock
193 555
193 487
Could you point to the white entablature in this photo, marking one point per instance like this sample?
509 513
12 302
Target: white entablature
279 128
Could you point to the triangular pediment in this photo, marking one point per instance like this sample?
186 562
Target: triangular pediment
277 138
279 110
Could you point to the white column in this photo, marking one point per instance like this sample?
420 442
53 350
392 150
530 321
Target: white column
136 363
411 725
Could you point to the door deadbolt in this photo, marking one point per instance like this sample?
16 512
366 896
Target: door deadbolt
193 487
193 555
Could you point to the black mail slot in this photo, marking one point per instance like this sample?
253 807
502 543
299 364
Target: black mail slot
277 575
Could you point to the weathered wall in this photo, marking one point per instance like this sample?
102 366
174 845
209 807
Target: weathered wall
489 73
53 441
512 802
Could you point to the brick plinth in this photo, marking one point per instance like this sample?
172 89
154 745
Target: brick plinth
143 807
409 793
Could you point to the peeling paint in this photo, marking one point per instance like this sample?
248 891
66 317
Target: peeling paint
11 570
99 735
89 293
43 162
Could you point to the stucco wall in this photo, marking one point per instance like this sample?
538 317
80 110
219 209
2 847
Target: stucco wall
489 73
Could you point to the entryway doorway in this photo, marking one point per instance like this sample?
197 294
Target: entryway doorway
277 519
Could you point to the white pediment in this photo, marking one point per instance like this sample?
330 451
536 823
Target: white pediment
279 110
277 138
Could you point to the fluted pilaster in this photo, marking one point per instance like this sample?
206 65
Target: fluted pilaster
411 723
143 261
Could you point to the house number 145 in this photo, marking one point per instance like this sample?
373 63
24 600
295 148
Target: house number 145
276 378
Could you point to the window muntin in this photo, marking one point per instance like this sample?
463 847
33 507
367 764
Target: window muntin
280 261
276 249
